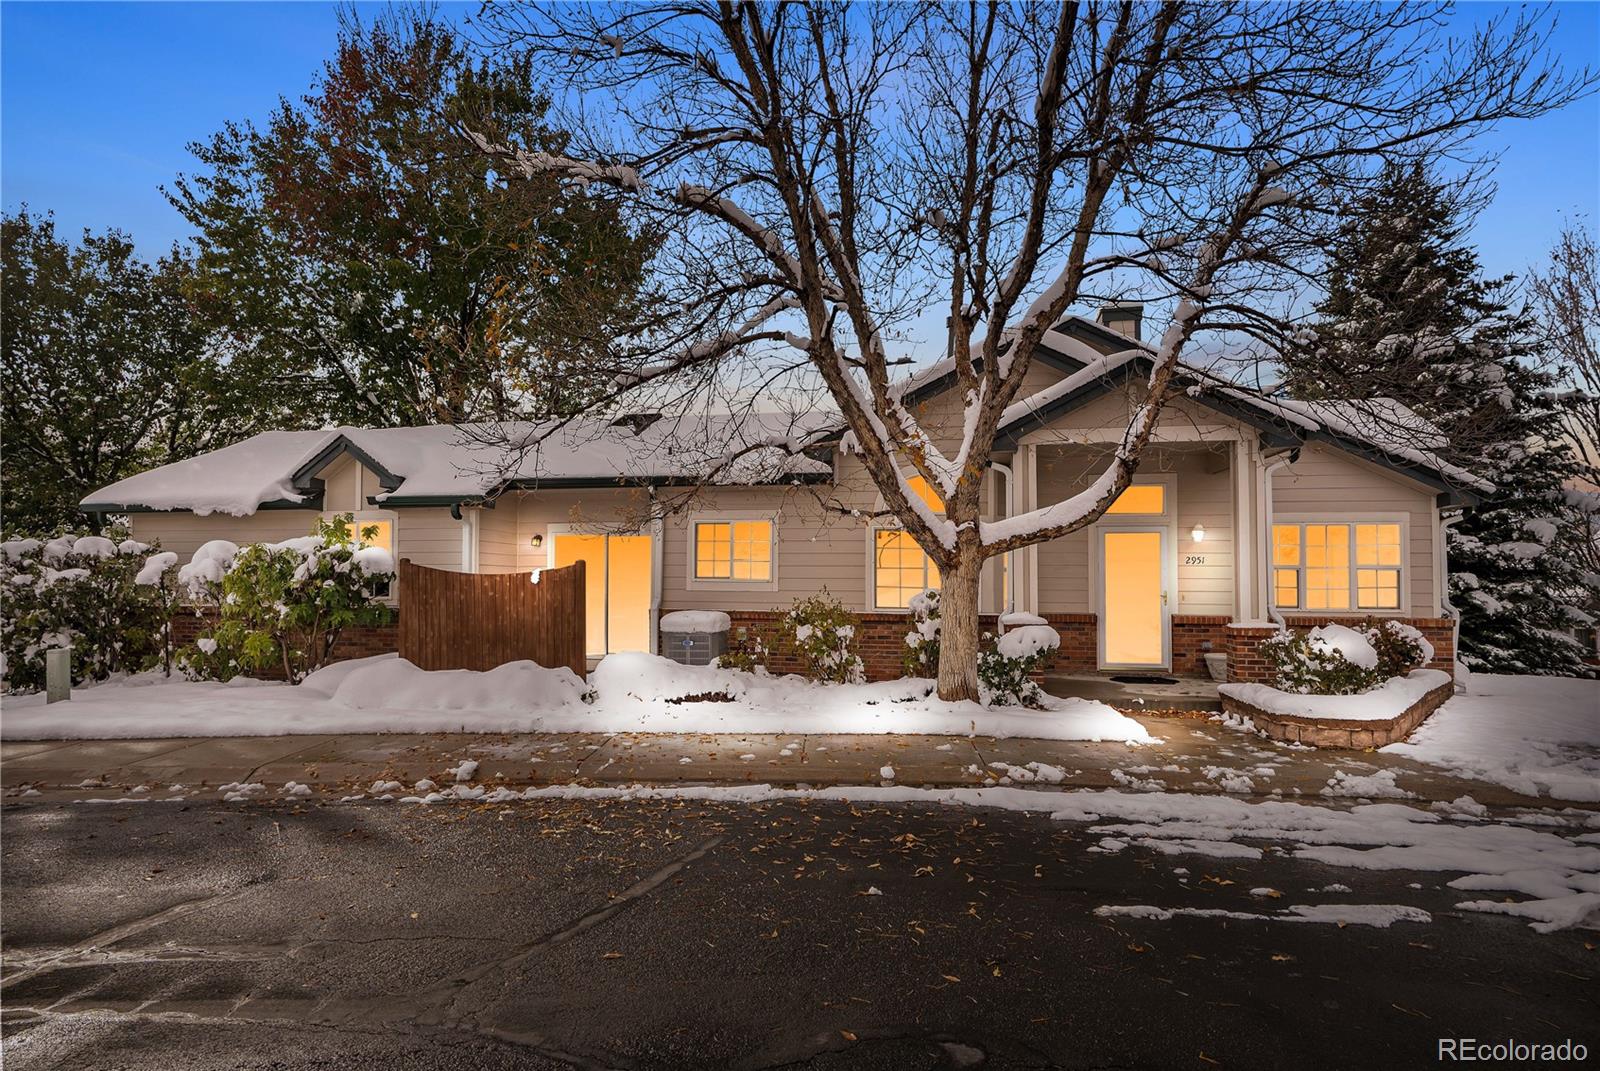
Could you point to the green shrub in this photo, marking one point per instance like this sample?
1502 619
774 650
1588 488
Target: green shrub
80 591
922 642
285 605
1320 662
748 650
823 634
1005 664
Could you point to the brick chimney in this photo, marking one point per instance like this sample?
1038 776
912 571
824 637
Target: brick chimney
1125 318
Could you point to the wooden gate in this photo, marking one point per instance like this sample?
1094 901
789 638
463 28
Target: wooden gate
482 620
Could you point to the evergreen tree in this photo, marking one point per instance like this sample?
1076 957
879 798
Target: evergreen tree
1408 316
361 240
105 370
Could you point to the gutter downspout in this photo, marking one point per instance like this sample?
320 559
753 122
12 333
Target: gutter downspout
1441 577
1264 572
1010 602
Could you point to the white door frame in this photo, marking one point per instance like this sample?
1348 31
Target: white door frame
653 533
1166 526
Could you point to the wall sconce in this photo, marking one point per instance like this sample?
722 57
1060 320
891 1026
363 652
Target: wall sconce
537 541
1198 534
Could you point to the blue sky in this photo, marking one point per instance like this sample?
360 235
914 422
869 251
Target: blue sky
99 100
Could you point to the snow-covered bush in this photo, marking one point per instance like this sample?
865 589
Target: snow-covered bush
1004 667
284 605
748 650
1339 660
823 634
922 642
79 591
1400 647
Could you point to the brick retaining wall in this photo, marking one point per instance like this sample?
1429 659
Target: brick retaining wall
1338 733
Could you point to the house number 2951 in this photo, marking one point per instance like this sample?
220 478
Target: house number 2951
1194 559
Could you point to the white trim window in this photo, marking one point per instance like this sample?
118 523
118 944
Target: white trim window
732 550
376 528
900 570
1348 565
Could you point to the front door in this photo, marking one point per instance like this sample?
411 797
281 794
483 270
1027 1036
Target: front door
618 584
1133 599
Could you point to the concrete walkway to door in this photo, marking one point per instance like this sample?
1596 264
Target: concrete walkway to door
1193 755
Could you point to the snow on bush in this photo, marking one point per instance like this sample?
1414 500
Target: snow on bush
87 592
823 634
1339 660
922 642
284 605
1004 667
748 651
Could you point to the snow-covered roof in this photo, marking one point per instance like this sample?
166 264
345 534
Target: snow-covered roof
447 463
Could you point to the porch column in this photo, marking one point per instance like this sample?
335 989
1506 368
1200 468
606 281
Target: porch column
1243 463
1025 469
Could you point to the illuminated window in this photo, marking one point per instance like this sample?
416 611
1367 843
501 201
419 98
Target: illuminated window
1378 566
1148 498
900 569
923 490
373 531
1336 566
733 550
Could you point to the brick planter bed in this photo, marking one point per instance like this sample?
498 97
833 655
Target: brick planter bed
1340 732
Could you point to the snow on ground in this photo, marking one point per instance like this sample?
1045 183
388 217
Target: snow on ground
1389 700
629 693
1534 735
1561 874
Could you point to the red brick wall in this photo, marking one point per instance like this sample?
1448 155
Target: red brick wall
881 641
353 642
1246 664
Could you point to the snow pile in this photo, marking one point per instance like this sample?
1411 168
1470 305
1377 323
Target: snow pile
699 621
1017 618
1389 700
1534 735
1345 641
626 693
1381 915
1025 641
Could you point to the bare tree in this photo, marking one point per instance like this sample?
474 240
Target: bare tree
826 171
1566 298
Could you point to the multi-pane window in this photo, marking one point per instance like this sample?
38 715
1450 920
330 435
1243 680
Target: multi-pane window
1378 566
900 568
1336 566
733 550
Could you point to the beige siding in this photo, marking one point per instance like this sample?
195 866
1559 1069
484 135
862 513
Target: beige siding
183 533
497 539
429 536
1332 484
1203 494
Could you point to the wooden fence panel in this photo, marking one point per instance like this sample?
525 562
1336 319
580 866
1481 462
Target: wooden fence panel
482 620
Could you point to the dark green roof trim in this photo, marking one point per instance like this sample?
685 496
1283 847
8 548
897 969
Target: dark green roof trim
563 483
305 476
311 502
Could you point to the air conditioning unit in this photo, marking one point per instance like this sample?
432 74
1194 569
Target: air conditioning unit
694 637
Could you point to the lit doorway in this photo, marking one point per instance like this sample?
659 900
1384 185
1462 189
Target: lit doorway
619 583
1134 632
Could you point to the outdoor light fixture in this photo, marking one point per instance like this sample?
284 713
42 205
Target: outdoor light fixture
1199 533
537 541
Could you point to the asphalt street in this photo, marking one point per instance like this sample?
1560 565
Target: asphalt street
680 934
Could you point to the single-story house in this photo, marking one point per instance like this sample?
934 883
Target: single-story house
1246 509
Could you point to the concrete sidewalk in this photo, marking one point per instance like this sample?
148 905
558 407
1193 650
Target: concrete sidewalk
1193 755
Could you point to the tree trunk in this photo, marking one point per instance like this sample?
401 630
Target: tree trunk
958 627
